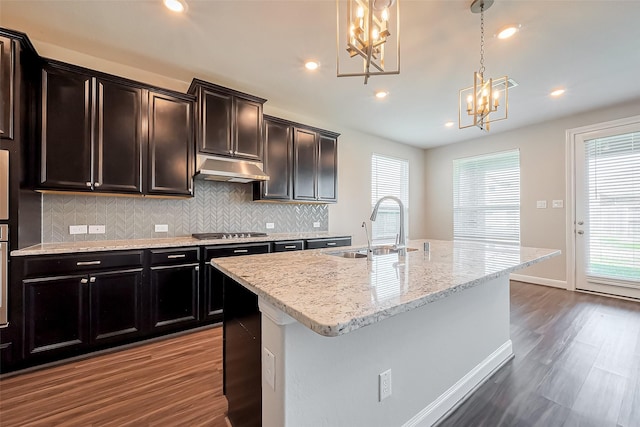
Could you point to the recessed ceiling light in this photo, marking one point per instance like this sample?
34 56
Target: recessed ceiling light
508 31
381 94
557 92
175 5
449 124
311 65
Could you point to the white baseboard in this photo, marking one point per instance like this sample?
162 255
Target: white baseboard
462 389
562 284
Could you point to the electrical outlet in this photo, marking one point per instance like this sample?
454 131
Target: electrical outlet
162 228
270 225
541 204
557 204
384 385
269 364
77 229
96 229
316 224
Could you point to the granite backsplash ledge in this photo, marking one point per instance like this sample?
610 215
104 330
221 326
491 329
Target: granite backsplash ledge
217 206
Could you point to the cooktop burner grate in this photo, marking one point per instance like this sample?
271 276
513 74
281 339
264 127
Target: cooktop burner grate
234 235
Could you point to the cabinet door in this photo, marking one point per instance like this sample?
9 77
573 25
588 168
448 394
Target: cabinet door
116 305
248 129
215 136
213 293
66 129
7 87
170 145
327 168
277 160
174 296
55 317
305 154
118 159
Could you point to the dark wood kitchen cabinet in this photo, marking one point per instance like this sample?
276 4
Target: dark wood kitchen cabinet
8 49
213 278
170 157
91 131
103 133
229 122
301 162
174 282
315 171
277 160
72 303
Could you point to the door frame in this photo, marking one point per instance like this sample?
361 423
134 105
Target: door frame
570 181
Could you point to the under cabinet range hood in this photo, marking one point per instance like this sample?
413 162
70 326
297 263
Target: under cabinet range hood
213 168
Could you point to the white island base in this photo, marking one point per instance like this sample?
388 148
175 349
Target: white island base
437 354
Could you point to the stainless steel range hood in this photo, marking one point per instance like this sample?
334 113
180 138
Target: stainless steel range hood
213 168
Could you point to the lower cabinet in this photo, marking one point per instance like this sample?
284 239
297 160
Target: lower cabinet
213 278
174 284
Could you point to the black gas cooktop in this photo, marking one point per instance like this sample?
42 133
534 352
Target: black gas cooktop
206 236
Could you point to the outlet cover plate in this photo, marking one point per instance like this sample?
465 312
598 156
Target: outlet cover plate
77 229
97 229
161 228
270 225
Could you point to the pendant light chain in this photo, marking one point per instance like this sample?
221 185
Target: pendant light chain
481 71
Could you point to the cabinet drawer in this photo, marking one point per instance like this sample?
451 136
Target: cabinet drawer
56 264
235 250
328 243
292 245
174 256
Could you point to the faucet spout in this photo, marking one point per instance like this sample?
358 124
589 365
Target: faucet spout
402 241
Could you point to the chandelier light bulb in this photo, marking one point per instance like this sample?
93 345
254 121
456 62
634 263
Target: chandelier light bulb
385 14
507 32
360 13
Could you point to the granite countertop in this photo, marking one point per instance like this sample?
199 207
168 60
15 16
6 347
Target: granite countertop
169 242
333 295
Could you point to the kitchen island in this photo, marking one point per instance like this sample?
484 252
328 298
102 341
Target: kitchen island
330 325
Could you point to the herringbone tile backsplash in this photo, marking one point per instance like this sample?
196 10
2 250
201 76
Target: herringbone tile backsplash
216 207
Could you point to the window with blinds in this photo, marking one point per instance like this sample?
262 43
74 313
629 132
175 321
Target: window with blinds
486 198
389 177
613 174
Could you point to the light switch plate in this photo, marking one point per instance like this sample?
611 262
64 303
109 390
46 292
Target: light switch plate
541 204
269 364
77 229
162 228
96 229
270 225
557 204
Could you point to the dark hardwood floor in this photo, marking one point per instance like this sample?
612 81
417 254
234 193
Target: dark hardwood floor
577 363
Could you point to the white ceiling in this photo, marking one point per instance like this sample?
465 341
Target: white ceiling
590 47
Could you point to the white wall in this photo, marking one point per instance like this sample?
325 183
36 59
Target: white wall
354 149
542 171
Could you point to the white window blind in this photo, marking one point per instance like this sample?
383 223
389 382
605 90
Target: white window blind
486 198
389 177
613 170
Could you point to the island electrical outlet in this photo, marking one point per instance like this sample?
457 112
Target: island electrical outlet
384 385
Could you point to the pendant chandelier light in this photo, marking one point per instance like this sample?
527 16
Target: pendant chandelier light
368 31
487 100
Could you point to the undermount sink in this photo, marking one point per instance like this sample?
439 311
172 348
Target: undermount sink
375 251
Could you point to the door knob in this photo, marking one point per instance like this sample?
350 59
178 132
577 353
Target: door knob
580 222
580 232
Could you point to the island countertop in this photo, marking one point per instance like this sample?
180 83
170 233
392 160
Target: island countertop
332 295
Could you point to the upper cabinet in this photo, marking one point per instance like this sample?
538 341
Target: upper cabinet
229 122
99 132
7 86
170 144
301 162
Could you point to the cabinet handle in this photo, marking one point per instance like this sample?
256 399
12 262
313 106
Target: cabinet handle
92 279
176 256
84 281
240 251
88 184
290 247
197 268
230 151
331 243
81 263
97 184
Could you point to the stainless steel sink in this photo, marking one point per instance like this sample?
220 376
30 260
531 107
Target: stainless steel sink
362 253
